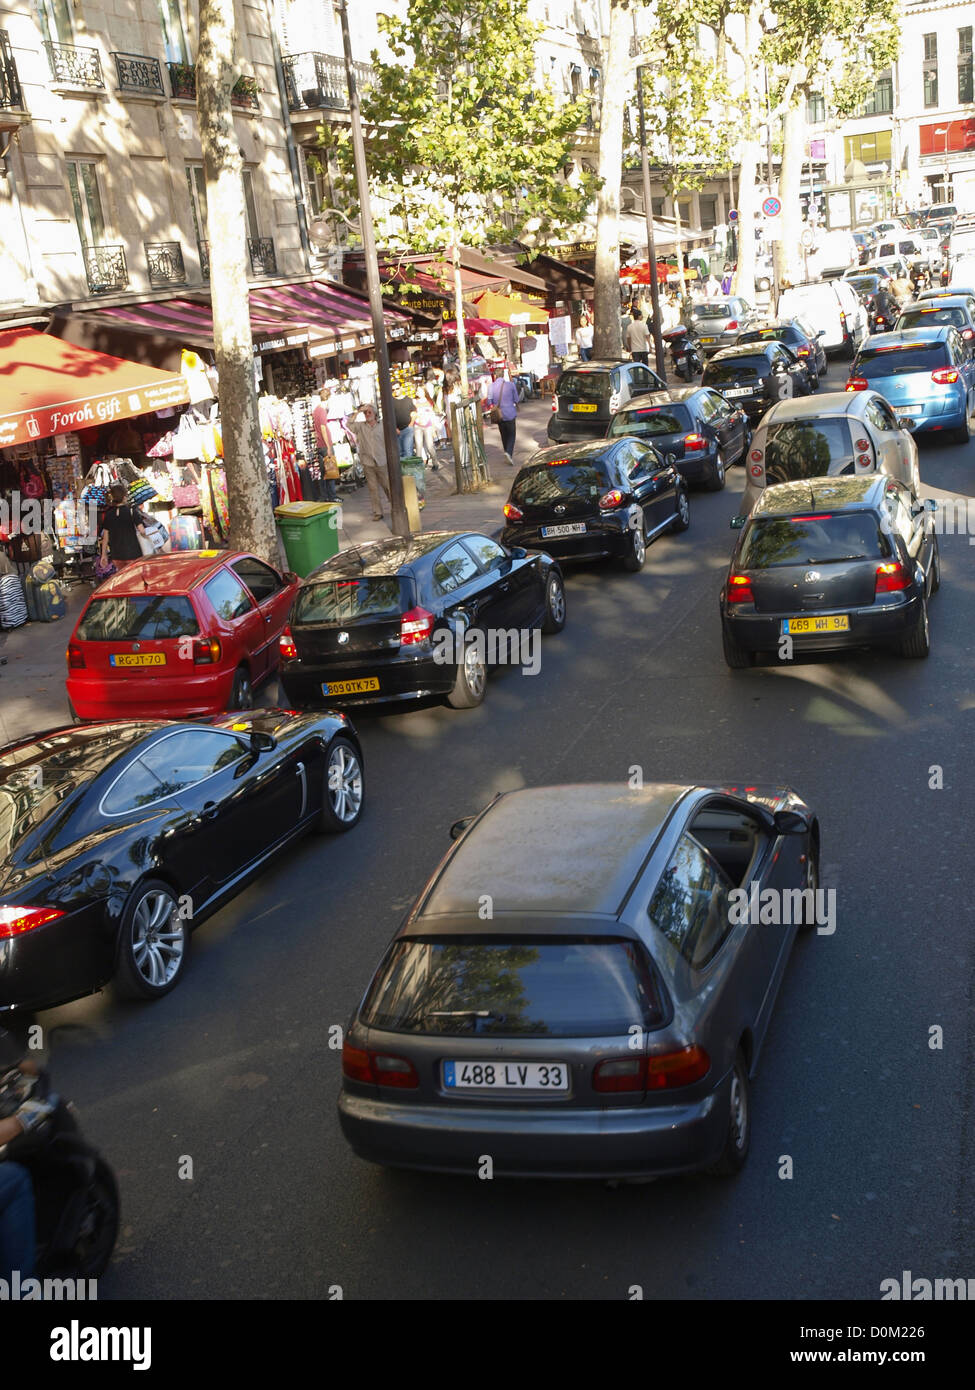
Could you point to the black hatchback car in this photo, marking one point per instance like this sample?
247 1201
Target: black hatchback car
414 618
692 427
757 375
828 564
798 337
588 395
589 501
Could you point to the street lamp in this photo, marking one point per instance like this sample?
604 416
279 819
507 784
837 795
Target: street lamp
945 132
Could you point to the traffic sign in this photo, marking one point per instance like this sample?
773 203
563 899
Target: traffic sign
733 215
772 207
807 237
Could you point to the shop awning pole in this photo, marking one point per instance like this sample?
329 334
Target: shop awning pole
399 520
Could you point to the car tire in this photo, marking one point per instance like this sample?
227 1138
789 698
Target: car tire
470 685
554 620
636 554
241 692
812 882
738 658
151 960
716 481
738 1138
813 382
935 568
343 787
682 517
918 644
963 434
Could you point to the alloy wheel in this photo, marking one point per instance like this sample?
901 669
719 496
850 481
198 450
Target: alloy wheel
344 783
556 601
158 939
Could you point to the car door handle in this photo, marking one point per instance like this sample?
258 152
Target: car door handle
503 588
269 618
211 809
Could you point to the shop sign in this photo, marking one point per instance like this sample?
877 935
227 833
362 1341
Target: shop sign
95 410
425 303
274 344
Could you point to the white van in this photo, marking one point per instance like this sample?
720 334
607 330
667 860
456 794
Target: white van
833 253
832 306
913 249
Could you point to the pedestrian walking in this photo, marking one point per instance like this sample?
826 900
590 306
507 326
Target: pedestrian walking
584 338
122 526
712 286
501 404
405 416
324 452
371 448
638 338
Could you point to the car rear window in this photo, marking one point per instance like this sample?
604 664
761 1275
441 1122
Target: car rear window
517 987
711 311
736 369
874 363
765 335
938 316
584 386
651 420
811 540
352 600
799 449
864 284
152 616
558 482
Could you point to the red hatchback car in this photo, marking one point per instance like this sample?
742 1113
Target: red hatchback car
177 636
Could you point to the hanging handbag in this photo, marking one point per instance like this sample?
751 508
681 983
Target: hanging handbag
330 467
186 495
186 444
494 415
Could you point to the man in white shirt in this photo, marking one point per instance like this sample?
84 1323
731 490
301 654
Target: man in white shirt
584 338
638 338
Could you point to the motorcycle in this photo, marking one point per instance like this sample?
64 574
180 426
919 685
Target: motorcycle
684 350
76 1201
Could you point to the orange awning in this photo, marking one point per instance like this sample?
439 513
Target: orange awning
509 308
48 386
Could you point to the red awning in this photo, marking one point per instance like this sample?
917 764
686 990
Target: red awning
48 386
190 321
327 309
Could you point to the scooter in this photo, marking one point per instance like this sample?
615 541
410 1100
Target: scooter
684 351
76 1199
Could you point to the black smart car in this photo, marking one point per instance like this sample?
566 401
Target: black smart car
589 501
799 338
831 563
410 619
691 427
756 375
588 395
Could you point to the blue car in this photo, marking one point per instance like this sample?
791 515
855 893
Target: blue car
926 374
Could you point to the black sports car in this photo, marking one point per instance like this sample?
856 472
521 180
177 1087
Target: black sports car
757 375
118 839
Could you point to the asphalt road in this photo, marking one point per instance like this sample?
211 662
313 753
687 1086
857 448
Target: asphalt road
234 1070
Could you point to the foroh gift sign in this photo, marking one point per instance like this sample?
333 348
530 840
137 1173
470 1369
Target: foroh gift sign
85 412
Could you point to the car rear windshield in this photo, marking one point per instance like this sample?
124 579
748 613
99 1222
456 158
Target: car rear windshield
520 987
864 284
799 449
584 386
711 311
736 369
874 363
812 540
765 335
350 600
580 482
651 420
137 617
938 316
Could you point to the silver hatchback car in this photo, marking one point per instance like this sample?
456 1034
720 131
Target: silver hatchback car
582 989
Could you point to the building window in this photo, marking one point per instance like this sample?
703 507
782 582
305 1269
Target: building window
929 70
815 108
56 21
86 201
658 205
174 34
868 149
709 211
966 87
198 199
881 100
253 229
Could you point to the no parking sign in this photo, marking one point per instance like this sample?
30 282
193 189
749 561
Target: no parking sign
772 207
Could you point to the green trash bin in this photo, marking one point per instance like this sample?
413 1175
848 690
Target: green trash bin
310 532
413 467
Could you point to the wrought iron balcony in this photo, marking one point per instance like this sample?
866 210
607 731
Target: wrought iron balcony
106 269
317 80
11 96
138 74
165 261
182 80
204 249
76 67
263 259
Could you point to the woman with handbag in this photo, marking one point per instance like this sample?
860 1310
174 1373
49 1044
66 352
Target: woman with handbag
501 407
122 526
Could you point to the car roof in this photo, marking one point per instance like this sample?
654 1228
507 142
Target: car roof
743 350
952 300
791 322
171 574
830 403
782 499
903 337
672 395
386 557
601 364
585 449
553 850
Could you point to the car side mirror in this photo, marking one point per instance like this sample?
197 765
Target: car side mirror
790 823
929 505
905 422
821 333
517 552
737 522
290 577
459 826
262 742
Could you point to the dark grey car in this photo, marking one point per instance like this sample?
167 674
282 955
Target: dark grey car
577 991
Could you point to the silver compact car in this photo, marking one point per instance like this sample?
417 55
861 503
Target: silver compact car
581 990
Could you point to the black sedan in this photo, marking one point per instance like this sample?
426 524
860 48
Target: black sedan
799 338
691 427
418 618
830 564
119 839
606 1022
607 498
756 375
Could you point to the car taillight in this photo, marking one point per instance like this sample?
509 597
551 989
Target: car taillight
693 442
206 651
857 383
945 376
378 1068
286 646
891 578
677 1068
620 1074
512 512
611 499
740 589
14 921
76 657
842 316
863 460
968 334
555 404
861 445
415 627
732 325
802 352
